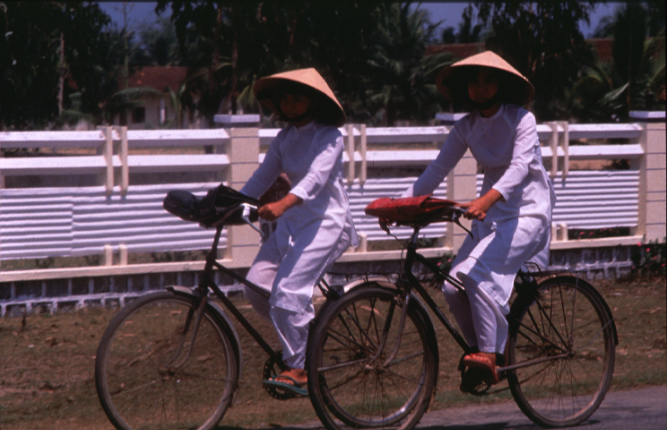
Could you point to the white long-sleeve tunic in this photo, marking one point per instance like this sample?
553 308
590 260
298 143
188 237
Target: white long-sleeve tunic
307 235
517 228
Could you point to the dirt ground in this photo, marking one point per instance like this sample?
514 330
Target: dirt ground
46 364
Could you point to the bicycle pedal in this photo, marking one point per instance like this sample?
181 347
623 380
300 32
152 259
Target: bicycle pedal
473 381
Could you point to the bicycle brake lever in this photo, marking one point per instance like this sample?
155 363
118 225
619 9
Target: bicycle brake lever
246 218
456 218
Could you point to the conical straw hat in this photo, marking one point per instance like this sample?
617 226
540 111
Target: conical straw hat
521 93
308 77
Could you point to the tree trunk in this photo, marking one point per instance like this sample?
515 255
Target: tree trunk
212 82
234 60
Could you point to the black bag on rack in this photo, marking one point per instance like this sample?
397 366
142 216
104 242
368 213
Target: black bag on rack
217 204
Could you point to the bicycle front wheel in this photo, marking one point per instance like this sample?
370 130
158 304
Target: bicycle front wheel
363 371
146 375
565 338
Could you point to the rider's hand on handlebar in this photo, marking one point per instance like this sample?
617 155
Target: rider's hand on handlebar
474 210
273 211
478 208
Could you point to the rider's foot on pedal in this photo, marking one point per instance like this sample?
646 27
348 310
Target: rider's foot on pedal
293 375
484 361
290 381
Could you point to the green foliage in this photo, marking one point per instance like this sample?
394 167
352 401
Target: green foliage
596 233
401 81
31 61
634 80
543 41
158 45
27 66
371 52
468 32
650 260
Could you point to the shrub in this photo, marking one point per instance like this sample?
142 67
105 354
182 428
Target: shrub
649 260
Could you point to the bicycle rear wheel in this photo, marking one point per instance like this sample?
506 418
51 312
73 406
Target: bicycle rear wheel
353 379
145 381
568 333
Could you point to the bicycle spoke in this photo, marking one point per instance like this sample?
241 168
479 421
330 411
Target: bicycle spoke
198 391
566 390
340 338
542 337
350 384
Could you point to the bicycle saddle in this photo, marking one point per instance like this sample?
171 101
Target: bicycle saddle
219 203
412 210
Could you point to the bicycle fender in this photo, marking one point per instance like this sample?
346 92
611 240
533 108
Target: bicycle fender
380 281
376 281
224 319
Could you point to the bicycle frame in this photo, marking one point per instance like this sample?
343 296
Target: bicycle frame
410 281
202 289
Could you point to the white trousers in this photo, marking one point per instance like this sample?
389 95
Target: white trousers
291 325
479 316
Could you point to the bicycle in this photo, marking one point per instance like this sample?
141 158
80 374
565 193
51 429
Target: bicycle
172 359
373 361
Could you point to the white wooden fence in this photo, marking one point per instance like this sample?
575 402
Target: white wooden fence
109 202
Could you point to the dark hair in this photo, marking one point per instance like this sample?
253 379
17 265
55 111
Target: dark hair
458 85
323 109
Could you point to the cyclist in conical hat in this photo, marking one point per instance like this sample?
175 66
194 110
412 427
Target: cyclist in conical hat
511 217
314 223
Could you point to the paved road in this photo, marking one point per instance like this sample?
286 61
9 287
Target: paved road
643 409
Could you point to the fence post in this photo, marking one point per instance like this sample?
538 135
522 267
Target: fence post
566 148
2 185
243 152
553 143
652 183
461 187
122 152
362 150
106 151
349 144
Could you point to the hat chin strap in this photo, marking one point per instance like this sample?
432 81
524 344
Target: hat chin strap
299 118
485 104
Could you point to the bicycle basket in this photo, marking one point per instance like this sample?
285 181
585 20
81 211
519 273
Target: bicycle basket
218 203
411 210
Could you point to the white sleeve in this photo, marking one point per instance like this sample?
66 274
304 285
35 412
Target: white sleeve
329 151
267 172
522 155
450 154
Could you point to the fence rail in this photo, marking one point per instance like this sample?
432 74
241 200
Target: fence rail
109 203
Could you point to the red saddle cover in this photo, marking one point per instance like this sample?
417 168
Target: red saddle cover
408 209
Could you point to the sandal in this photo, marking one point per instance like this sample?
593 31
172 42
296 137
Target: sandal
294 387
478 360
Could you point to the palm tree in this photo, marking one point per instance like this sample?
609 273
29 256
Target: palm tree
401 81
635 80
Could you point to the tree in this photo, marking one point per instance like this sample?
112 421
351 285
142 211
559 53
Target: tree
634 80
469 33
355 45
57 62
543 41
159 45
401 80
